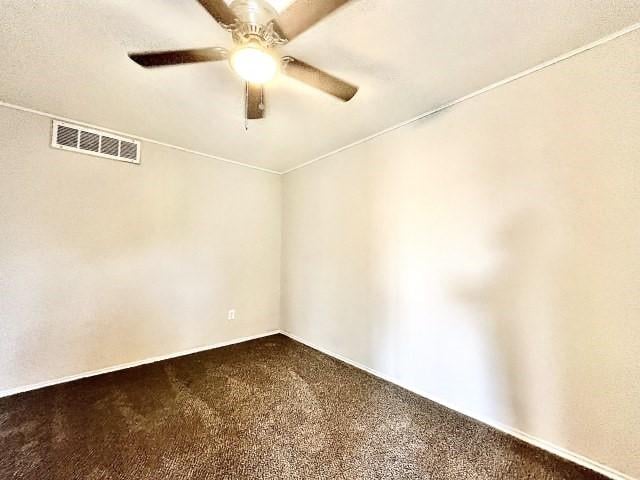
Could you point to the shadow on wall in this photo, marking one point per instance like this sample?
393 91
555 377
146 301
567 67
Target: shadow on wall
519 321
423 243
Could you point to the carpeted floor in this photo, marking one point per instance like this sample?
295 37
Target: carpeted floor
266 409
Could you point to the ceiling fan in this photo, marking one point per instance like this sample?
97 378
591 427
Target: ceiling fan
257 30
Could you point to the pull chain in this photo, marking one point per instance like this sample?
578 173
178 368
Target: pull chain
246 106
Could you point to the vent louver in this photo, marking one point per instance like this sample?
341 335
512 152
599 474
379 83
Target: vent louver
94 142
89 141
109 146
67 136
128 150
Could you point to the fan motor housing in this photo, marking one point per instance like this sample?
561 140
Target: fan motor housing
256 12
255 23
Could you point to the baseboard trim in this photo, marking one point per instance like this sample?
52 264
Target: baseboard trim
137 363
525 437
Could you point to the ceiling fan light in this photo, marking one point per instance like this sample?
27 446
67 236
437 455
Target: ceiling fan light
254 64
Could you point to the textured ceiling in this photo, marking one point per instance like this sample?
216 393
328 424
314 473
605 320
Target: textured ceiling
69 58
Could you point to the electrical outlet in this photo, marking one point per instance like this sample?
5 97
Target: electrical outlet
231 315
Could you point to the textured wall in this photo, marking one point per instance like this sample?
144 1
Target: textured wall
489 255
103 262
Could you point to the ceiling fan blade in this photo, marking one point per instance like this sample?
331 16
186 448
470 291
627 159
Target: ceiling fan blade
176 57
254 101
318 79
302 14
219 10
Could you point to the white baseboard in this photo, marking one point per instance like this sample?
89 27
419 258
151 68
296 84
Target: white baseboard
70 378
530 439
535 441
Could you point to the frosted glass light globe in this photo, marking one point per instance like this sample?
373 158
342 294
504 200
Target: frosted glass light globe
254 64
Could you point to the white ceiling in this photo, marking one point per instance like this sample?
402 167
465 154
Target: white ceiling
69 57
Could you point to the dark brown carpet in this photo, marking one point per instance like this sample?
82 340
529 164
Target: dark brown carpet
266 409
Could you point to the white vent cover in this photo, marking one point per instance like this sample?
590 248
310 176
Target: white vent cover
94 142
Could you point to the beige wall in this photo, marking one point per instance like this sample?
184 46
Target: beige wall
489 255
103 262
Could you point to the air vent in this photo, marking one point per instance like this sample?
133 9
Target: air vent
67 136
76 138
109 146
89 141
128 150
